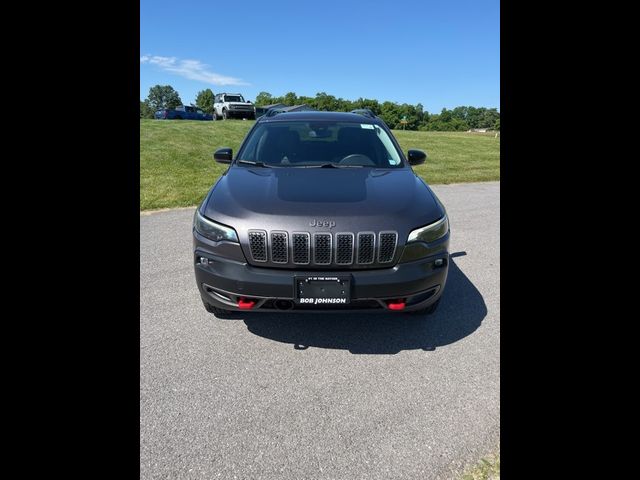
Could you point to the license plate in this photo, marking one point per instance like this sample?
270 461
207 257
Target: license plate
321 290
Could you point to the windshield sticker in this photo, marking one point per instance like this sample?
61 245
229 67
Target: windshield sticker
367 125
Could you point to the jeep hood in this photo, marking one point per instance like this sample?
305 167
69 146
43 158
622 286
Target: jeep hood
356 199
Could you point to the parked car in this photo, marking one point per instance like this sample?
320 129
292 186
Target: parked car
320 211
232 105
263 109
183 112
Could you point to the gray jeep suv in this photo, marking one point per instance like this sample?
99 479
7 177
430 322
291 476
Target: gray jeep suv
320 211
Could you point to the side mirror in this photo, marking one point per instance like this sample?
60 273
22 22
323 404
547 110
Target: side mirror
416 157
223 155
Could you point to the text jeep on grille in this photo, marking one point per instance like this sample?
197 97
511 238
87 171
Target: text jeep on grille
320 211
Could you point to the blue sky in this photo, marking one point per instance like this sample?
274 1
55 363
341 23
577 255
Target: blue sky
438 53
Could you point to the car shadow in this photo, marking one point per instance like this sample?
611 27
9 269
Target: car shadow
459 314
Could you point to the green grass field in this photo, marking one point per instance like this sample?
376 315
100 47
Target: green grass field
177 166
487 469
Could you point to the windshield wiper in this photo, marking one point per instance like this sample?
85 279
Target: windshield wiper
329 165
255 164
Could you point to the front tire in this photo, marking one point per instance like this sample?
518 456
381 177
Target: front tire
224 115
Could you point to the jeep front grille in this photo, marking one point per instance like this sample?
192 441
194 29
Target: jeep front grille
279 247
300 248
258 245
387 246
366 246
344 248
324 248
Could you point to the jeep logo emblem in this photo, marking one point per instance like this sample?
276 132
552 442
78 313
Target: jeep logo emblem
322 223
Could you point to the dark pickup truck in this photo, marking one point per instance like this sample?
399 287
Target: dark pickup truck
183 112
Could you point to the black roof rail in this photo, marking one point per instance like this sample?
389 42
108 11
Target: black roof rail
364 111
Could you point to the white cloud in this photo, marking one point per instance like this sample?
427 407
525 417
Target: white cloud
191 69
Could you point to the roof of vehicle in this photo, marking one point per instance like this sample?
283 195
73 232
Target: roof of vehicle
364 111
287 108
312 115
272 105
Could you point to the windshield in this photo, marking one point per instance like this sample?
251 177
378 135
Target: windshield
320 144
233 98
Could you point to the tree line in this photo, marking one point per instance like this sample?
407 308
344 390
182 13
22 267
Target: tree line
396 116
165 96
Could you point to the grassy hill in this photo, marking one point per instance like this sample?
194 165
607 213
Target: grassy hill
177 166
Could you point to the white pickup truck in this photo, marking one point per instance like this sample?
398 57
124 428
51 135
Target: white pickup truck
230 105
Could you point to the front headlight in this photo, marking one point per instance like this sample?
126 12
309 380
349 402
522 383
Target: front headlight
430 233
212 230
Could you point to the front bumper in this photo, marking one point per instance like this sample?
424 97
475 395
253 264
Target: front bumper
241 113
222 282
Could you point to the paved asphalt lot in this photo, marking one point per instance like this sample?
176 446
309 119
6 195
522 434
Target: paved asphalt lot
348 396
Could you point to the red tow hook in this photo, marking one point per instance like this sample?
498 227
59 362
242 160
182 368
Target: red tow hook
245 304
397 304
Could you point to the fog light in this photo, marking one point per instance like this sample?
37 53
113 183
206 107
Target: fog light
204 261
439 262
